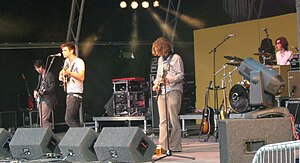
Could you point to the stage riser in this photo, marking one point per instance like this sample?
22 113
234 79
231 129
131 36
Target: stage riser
238 134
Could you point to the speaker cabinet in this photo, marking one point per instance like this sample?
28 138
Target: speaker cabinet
77 144
241 138
32 143
5 138
294 84
294 109
124 144
283 71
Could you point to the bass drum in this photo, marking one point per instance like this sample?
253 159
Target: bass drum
239 98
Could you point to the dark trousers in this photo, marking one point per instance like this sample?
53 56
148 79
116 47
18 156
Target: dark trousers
72 110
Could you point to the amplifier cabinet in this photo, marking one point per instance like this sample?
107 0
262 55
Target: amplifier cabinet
294 84
294 109
283 71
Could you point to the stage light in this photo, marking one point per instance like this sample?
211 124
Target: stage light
265 83
123 4
134 5
155 4
145 4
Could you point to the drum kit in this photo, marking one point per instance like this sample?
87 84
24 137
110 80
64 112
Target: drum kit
239 93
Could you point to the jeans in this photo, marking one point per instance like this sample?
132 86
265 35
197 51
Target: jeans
72 110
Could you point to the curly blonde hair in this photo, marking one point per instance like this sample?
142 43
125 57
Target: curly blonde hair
161 46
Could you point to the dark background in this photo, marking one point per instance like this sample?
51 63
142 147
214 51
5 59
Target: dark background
26 23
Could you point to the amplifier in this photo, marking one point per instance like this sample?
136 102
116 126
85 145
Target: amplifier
294 84
295 62
283 71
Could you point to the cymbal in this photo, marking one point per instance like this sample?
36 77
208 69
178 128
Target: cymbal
263 54
233 64
234 58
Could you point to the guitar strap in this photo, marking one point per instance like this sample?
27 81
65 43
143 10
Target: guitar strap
167 68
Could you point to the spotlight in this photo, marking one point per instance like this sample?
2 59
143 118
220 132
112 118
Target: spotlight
123 4
134 5
155 4
145 4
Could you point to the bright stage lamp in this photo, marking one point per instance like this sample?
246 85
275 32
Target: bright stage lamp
265 83
155 4
145 4
134 5
123 4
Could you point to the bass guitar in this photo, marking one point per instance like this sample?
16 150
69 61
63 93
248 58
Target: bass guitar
207 126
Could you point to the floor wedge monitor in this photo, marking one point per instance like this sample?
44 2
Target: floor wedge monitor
124 144
33 143
77 144
5 138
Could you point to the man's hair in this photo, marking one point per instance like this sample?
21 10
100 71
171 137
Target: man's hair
39 63
70 46
162 46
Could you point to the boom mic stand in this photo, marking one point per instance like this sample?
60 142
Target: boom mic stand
215 88
169 152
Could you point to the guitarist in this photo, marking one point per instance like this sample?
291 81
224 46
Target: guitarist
44 93
74 70
169 81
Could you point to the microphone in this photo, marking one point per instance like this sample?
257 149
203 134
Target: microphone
294 47
231 35
55 55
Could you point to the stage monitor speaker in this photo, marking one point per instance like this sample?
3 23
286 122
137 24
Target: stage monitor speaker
5 138
124 144
33 143
77 144
241 138
294 84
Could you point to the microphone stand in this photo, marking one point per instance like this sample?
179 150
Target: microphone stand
169 152
215 88
269 45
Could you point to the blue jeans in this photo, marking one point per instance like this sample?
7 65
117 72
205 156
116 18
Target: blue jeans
72 110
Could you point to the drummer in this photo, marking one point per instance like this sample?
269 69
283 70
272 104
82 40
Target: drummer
283 55
266 47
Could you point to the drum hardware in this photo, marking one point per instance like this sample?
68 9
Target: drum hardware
237 59
225 109
239 98
264 56
234 64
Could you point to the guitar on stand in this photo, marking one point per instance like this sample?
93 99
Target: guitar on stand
207 126
30 103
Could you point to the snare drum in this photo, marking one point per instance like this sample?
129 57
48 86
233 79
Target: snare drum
239 98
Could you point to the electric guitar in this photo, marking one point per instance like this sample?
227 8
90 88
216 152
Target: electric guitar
207 126
158 91
30 103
